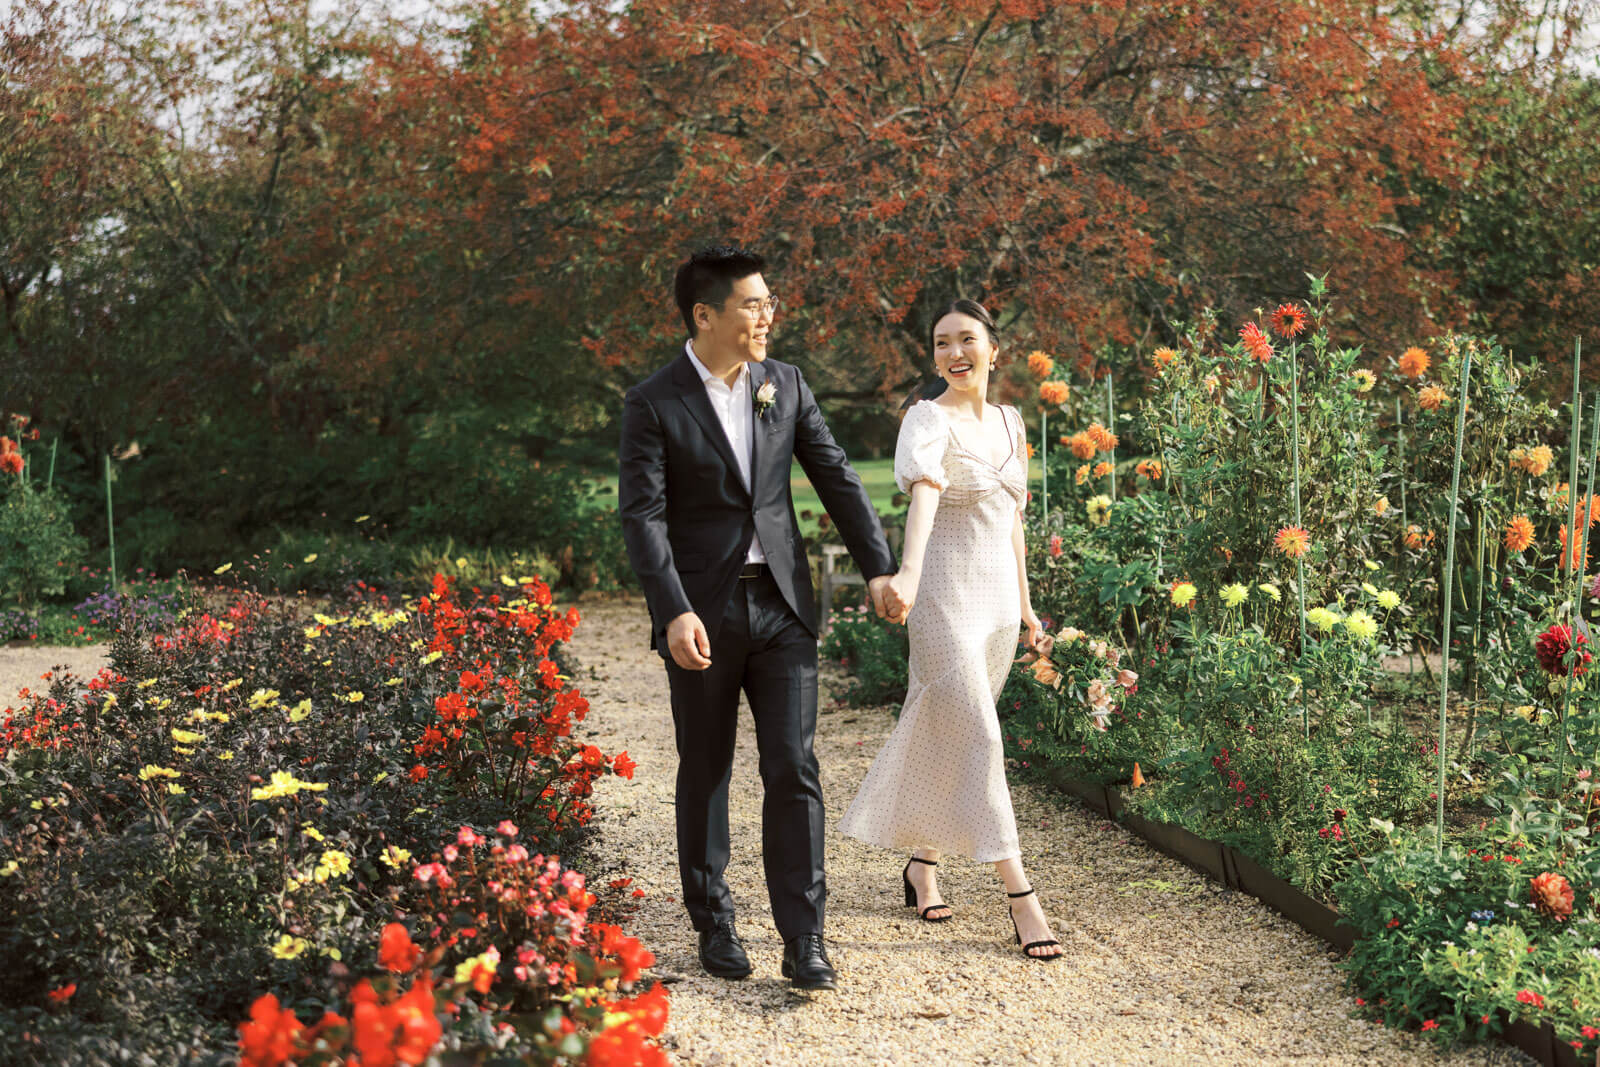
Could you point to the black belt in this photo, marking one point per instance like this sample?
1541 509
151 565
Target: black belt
753 570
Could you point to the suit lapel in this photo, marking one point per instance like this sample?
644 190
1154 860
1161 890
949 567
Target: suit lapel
692 391
758 376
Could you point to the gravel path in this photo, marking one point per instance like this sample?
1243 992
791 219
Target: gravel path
1162 965
21 665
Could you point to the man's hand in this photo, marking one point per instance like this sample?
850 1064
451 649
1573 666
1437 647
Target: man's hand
901 594
688 643
878 589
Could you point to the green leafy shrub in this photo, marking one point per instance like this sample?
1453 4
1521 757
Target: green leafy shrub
876 653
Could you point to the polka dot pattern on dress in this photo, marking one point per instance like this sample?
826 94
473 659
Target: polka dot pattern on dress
940 781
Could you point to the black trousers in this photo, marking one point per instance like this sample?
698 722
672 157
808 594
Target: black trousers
764 649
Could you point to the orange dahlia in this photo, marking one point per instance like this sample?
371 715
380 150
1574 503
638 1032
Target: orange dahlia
1082 445
1256 344
1164 358
1552 894
1413 363
1417 538
1040 364
1102 469
1149 468
1292 541
1289 320
1053 394
1432 398
1081 475
1535 460
1579 558
1519 534
1103 439
1380 506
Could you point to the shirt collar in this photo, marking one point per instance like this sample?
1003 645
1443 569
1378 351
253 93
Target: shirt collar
706 375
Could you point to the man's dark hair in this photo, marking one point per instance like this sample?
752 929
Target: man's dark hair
708 277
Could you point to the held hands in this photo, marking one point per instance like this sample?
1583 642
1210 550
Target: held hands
899 594
688 643
877 589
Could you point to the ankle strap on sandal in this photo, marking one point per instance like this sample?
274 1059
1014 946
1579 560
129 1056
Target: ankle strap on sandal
1024 893
919 859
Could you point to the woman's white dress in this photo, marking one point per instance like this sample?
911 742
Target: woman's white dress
940 780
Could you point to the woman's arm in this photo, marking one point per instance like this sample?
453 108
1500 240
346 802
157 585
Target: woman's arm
919 526
1019 546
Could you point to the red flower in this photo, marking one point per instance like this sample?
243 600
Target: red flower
1430 1024
1528 996
396 951
268 1039
1552 647
418 773
64 994
1289 320
1256 344
622 765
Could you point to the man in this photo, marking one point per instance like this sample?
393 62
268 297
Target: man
711 532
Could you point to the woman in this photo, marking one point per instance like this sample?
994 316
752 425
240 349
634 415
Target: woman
939 784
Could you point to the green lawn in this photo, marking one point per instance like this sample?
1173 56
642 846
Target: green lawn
876 474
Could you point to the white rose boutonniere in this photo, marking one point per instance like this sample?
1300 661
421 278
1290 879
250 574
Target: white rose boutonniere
766 396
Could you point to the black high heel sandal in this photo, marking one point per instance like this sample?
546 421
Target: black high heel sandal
911 895
1027 949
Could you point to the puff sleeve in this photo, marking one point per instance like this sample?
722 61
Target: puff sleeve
919 452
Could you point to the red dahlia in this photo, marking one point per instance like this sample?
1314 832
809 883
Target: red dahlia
1552 648
1552 895
1289 320
1256 344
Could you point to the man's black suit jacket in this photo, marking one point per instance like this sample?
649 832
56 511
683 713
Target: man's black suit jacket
687 517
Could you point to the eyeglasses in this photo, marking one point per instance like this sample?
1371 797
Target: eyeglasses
754 308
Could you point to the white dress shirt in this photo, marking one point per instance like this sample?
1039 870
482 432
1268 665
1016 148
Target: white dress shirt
736 412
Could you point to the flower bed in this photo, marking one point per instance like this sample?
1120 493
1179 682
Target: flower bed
1260 544
252 809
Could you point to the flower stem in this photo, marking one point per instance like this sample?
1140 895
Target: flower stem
1299 563
1449 574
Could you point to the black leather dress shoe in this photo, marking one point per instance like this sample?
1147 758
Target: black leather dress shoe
806 963
722 953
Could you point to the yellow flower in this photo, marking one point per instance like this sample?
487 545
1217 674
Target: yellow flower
363 518
355 696
291 884
180 750
461 562
1364 380
1371 566
163 704
1323 619
429 658
9 869
313 631
1183 593
187 737
284 784
1388 599
393 681
231 685
175 789
508 581
300 711
111 698
466 968
1361 625
225 754
147 683
416 643
288 947
154 770
1099 509
312 832
1369 588
311 558
1271 590
333 863
1526 711
224 569
394 856
1234 595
